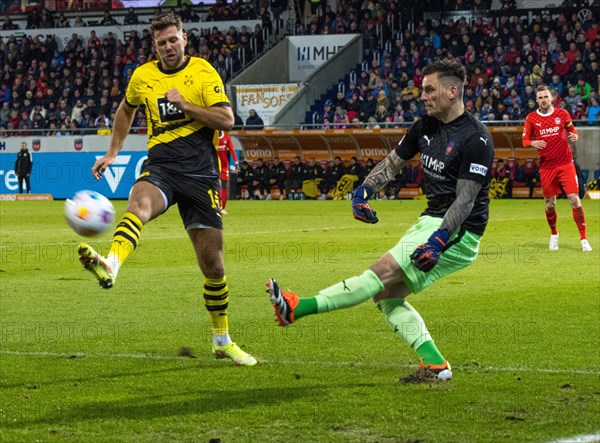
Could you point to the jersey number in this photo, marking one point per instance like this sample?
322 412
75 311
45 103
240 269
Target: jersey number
168 112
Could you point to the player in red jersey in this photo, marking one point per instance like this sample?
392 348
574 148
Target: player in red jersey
224 149
547 130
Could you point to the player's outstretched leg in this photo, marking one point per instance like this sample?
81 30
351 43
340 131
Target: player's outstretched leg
97 265
345 294
284 303
429 374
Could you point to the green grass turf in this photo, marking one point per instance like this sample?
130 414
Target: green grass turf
520 327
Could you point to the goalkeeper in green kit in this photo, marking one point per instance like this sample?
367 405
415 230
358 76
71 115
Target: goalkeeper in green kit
456 154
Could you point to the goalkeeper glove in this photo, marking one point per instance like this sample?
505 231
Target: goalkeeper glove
360 207
427 255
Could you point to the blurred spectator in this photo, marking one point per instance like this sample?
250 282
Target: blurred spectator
593 112
572 99
62 22
108 20
131 17
79 22
8 25
583 88
103 128
254 121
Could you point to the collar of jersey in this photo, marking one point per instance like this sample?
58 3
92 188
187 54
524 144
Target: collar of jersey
174 71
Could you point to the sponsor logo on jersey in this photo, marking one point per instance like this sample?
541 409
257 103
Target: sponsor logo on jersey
549 131
478 169
429 162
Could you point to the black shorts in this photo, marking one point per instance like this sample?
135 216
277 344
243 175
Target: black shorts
196 197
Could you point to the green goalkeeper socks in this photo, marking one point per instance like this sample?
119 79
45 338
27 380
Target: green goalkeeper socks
406 322
344 294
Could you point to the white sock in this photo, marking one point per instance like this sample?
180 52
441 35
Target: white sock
113 261
221 340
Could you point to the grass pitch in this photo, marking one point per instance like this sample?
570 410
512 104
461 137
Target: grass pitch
78 363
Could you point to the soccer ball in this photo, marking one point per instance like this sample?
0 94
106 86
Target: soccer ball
89 213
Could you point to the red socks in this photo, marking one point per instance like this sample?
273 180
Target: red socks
224 194
579 217
551 217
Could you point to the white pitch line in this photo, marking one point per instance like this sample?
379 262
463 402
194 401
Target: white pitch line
589 438
375 364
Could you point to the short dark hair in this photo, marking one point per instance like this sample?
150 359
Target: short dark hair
446 68
163 21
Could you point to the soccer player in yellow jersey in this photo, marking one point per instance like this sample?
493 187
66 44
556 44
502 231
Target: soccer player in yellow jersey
186 107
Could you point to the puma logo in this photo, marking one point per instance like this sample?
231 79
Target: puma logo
427 139
538 124
483 140
346 288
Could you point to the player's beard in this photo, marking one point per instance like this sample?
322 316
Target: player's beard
173 62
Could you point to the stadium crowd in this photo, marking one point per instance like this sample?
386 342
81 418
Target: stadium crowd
79 87
506 59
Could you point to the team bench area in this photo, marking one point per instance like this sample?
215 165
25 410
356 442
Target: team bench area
360 149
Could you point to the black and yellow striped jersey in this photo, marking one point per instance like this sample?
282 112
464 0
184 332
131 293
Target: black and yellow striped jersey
176 141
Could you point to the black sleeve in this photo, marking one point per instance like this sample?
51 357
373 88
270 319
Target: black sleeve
477 155
409 145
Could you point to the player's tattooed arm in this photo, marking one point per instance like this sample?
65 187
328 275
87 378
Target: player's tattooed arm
384 172
459 210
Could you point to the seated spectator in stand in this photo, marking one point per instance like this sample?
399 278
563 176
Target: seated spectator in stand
62 22
312 174
348 181
131 17
254 122
368 107
262 174
327 112
366 170
572 99
278 177
593 112
79 22
381 114
8 25
108 20
502 181
293 184
245 178
331 176
103 129
579 113
583 88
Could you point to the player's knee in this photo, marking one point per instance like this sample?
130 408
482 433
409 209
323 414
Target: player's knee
574 200
550 206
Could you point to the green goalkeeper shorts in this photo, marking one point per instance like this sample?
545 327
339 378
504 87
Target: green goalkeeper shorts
463 248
